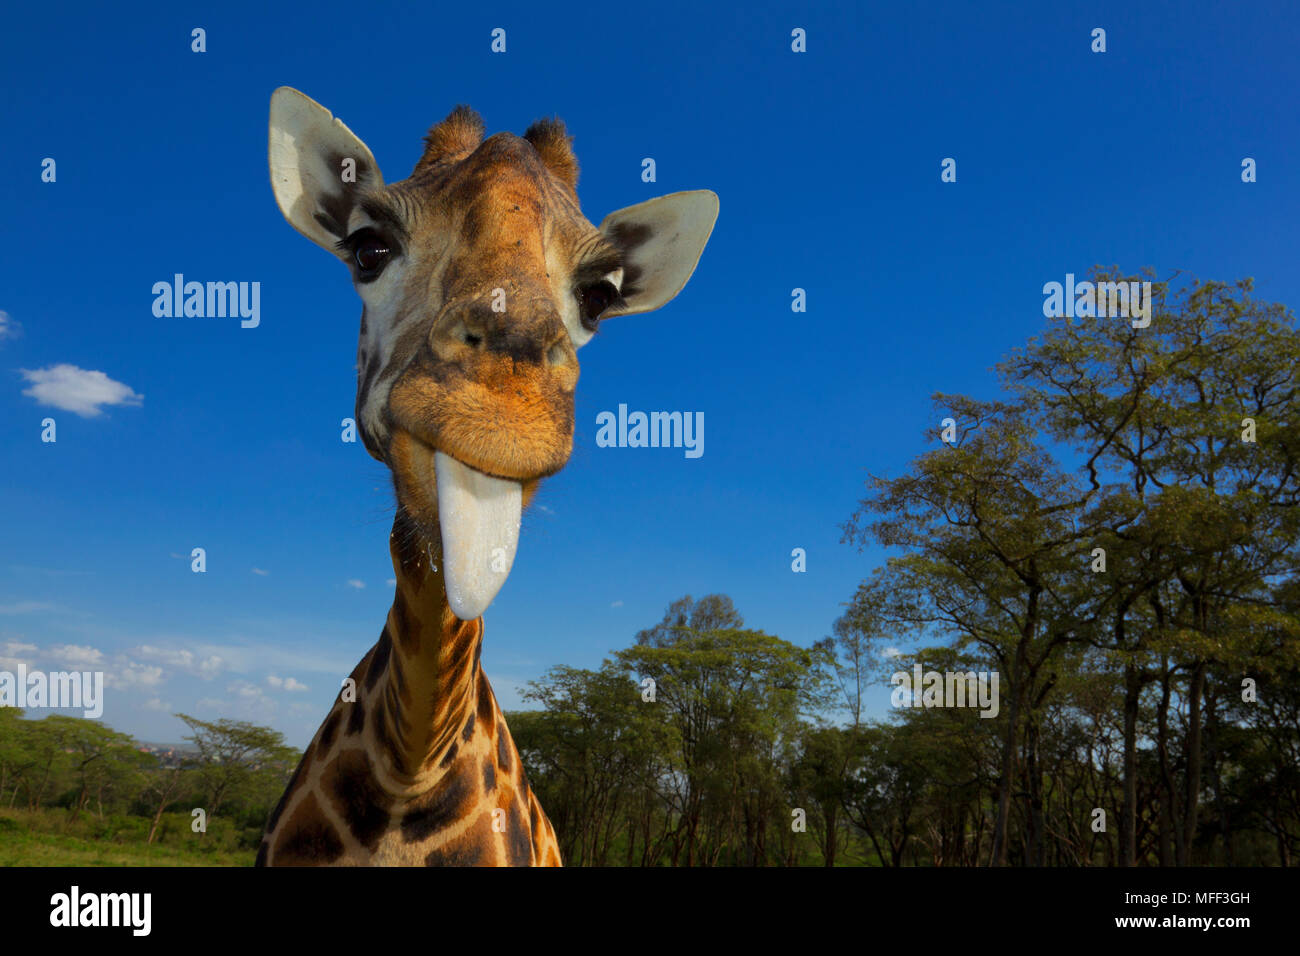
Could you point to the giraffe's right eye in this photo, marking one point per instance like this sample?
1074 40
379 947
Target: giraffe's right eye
371 255
370 252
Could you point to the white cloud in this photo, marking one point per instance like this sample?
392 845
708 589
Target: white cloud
9 329
285 683
260 573
182 660
617 604
391 582
892 652
77 390
242 688
76 655
133 676
354 583
14 653
250 702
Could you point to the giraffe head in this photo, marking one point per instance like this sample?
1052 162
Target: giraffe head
480 278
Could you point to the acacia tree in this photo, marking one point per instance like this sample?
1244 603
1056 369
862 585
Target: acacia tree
1192 422
593 749
49 741
732 699
101 758
16 754
854 657
161 786
819 775
232 754
991 529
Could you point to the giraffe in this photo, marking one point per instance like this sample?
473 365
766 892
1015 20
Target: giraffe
480 278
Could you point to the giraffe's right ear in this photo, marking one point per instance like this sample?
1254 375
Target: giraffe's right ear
318 167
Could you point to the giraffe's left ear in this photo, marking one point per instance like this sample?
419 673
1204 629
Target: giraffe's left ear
318 167
662 240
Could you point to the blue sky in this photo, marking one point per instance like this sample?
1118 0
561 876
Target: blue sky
827 164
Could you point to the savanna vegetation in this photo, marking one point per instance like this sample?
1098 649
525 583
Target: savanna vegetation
75 792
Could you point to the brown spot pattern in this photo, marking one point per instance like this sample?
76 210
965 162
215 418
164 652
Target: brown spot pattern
349 781
308 839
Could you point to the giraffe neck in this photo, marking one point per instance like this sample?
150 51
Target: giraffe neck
418 766
425 672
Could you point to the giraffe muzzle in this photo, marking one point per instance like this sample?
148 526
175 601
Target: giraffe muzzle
479 517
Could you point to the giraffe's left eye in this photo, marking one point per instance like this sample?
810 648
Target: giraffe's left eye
593 300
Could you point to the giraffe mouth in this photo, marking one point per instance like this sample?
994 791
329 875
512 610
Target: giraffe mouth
478 515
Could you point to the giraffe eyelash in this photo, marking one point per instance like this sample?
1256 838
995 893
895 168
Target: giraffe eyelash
348 242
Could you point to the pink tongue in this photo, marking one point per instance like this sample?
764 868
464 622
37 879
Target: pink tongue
479 519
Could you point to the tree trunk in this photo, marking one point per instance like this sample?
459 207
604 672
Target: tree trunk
828 851
1128 814
1167 824
157 817
81 802
1212 730
1193 792
1034 796
998 854
41 790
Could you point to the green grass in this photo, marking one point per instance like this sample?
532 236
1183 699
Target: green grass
53 838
